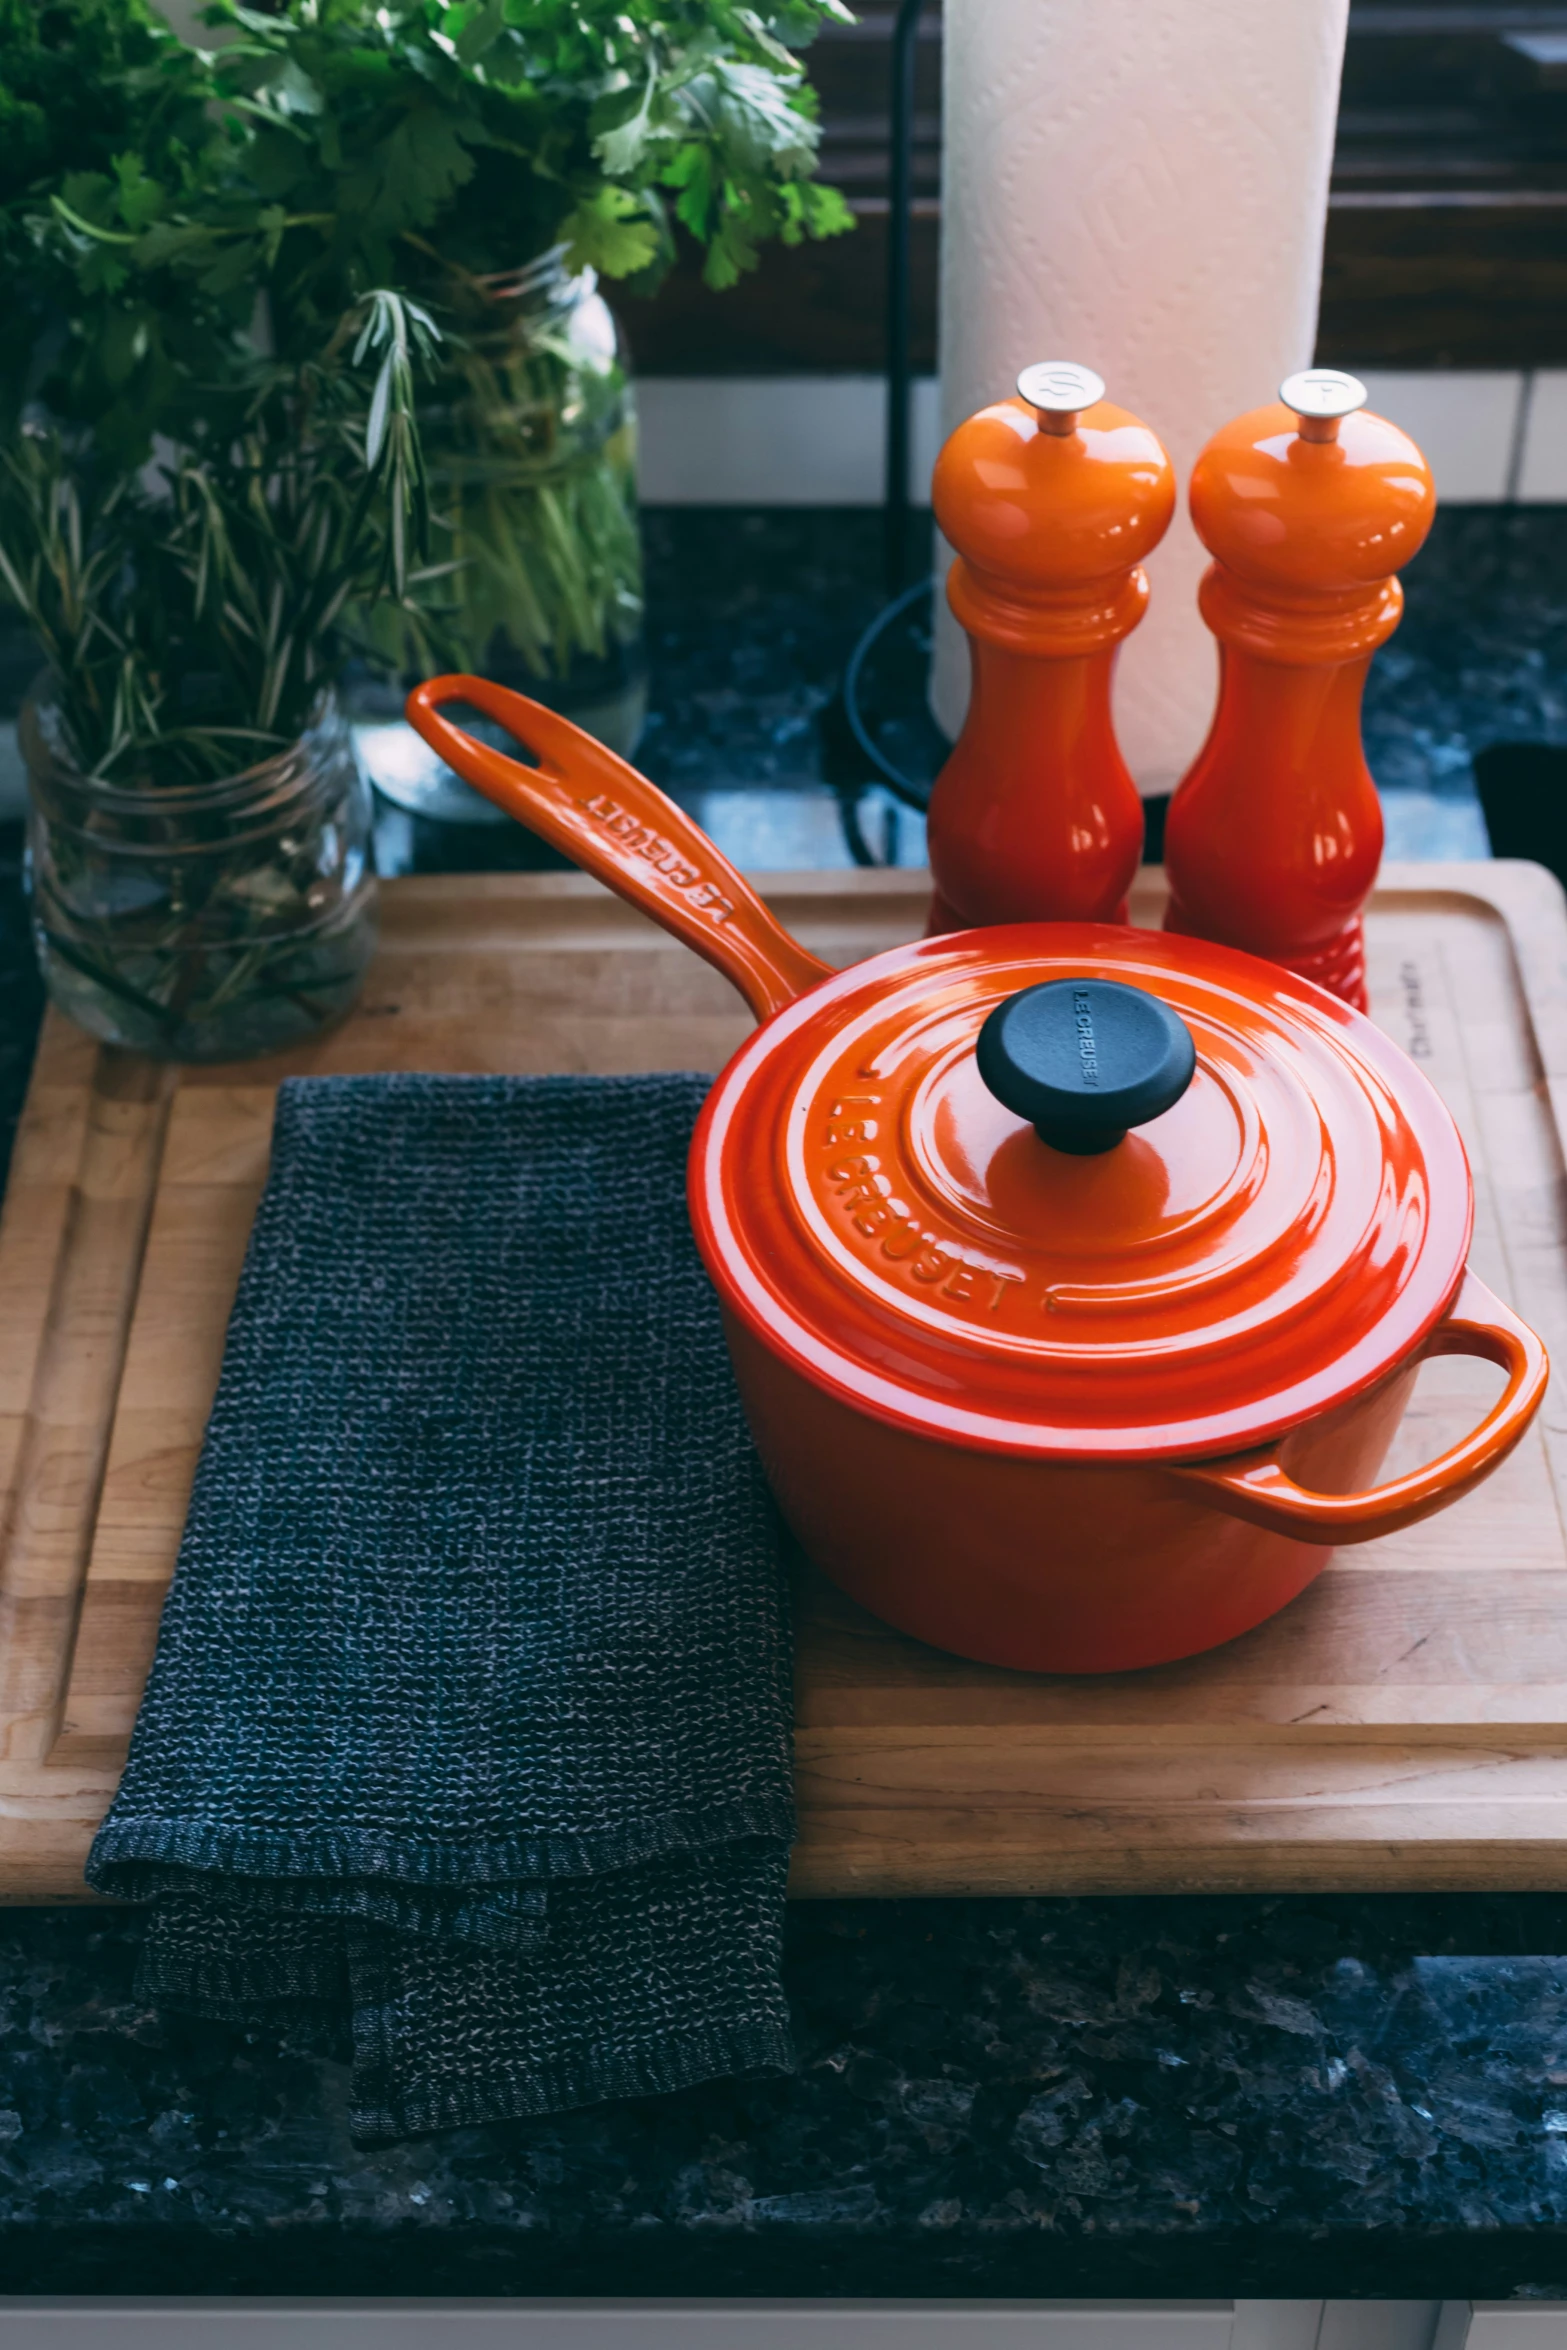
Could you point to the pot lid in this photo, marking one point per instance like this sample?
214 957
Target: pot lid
1083 1191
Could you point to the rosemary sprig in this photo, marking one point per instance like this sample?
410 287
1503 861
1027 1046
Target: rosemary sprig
197 611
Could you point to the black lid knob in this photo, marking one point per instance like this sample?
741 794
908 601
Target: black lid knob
1084 1059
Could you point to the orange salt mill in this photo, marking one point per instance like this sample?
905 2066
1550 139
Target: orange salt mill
1051 501
1274 834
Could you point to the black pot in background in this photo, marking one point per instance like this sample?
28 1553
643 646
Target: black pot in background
1523 798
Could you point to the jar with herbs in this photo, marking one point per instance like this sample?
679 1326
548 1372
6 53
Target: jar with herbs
530 439
203 921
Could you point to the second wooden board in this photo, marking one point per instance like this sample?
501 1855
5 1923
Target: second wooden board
1404 1723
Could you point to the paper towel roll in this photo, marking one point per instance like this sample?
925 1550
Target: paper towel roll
1140 185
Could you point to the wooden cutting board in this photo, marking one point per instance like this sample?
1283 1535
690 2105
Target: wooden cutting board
1403 1724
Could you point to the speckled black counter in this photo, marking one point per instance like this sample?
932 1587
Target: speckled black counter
1015 2098
1099 2098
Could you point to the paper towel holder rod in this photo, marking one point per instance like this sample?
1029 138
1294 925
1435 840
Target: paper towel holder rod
900 191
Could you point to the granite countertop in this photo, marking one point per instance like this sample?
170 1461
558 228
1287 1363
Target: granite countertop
1018 2098
1129 2097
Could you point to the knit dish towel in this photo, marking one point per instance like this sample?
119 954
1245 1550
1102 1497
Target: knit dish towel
470 1712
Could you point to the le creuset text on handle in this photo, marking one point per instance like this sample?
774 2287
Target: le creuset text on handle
623 830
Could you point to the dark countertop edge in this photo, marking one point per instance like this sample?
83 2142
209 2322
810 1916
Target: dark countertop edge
419 2261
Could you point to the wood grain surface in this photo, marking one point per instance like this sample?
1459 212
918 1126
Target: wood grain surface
1403 1724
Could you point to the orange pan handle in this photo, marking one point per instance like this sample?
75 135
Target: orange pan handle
620 828
1252 1485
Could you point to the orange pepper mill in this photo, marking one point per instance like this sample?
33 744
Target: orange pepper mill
1051 501
1274 834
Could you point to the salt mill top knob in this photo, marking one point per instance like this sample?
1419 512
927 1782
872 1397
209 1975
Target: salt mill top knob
1058 391
1051 499
1048 491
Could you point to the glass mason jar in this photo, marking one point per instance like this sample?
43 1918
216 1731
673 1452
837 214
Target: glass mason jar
202 922
530 438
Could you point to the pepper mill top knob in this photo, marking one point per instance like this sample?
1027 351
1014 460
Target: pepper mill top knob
1043 493
1322 397
1312 497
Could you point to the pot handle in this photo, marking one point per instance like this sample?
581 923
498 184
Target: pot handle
620 828
1251 1485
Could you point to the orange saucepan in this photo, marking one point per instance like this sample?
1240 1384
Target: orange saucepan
1076 1277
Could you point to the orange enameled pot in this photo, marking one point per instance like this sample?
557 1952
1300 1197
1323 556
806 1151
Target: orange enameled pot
1075 1276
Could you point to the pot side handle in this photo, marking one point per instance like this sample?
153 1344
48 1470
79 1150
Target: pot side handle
611 821
1253 1486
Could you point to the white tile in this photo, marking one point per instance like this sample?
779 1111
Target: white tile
776 440
924 437
585 2325
1464 420
1378 2325
1276 2325
1513 2325
1542 476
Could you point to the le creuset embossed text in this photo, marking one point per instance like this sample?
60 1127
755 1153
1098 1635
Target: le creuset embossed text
1075 1276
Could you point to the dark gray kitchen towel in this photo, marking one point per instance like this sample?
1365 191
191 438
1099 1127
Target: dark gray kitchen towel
470 1710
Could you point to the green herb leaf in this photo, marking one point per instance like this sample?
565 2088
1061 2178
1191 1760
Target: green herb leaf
422 165
484 25
140 199
610 231
161 208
